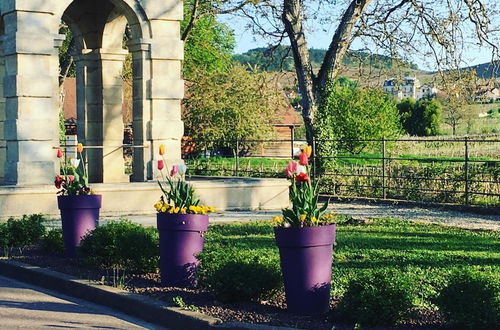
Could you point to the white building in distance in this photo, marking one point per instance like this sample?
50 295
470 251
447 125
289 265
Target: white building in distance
409 87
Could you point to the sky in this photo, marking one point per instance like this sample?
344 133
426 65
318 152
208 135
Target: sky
245 41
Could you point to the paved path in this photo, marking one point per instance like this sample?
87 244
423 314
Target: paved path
26 306
362 209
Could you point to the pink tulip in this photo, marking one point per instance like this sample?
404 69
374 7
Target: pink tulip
71 178
161 165
291 168
175 170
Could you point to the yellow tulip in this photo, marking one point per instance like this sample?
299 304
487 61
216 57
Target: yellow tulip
79 147
162 149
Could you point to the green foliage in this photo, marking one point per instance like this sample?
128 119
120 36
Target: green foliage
179 193
381 297
121 245
53 241
209 45
20 233
239 263
305 210
494 113
225 106
422 255
67 65
420 118
349 113
471 300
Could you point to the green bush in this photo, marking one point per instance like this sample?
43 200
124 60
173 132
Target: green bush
352 113
471 300
422 117
121 245
238 276
19 233
377 298
53 241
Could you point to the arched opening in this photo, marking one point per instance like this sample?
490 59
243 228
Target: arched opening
3 143
102 32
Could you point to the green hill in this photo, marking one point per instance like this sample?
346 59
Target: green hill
280 58
487 70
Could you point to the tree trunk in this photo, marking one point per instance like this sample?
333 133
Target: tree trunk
292 19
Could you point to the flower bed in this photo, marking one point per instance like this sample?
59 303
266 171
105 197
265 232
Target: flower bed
423 255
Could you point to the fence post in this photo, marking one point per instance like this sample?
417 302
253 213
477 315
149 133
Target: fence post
314 158
384 165
237 159
292 139
466 169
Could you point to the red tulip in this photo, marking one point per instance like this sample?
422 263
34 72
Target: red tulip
302 177
303 159
59 153
58 181
161 165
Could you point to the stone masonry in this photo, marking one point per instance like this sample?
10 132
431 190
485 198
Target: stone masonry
29 92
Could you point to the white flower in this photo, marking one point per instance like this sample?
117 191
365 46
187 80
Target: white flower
74 162
182 169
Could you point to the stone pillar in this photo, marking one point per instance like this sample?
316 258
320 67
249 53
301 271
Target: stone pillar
166 88
141 68
31 113
3 143
99 112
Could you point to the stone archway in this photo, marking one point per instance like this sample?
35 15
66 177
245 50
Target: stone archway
31 84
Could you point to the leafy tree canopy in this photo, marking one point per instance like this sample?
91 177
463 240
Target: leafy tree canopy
420 118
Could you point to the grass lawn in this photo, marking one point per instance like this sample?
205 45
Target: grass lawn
424 253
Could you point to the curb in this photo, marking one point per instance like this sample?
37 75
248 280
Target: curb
133 304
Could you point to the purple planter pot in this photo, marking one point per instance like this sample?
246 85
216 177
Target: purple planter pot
306 263
79 215
181 239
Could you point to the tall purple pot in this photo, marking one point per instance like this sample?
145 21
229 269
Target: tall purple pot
79 215
181 239
306 263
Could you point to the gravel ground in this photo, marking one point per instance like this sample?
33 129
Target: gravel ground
444 216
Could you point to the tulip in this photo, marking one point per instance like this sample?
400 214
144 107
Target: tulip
175 170
302 177
161 165
58 181
301 169
307 150
74 162
79 147
303 159
162 149
71 178
59 153
291 168
182 169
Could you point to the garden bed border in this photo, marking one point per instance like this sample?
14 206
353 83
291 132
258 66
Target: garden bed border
133 304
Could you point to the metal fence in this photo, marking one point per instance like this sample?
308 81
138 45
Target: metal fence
464 170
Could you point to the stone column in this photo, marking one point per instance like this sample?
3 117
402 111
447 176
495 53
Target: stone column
141 69
166 88
99 108
31 114
3 143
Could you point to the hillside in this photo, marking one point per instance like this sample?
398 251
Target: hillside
280 59
487 70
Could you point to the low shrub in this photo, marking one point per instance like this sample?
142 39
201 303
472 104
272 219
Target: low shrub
53 241
121 245
240 276
471 300
381 297
20 233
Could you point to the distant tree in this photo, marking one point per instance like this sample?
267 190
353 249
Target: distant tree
420 118
225 106
355 115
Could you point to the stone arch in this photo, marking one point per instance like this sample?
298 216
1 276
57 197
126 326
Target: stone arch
100 29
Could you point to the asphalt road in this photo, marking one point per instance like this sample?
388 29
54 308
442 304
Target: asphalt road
26 306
